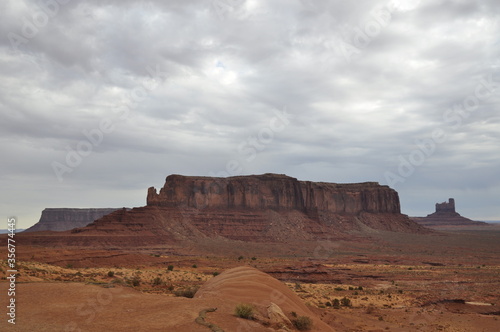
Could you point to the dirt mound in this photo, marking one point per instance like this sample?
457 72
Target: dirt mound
248 285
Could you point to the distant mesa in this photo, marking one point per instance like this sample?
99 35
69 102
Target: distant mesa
63 219
446 216
253 208
6 231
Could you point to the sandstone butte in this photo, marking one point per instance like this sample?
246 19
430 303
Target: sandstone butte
255 208
447 216
63 219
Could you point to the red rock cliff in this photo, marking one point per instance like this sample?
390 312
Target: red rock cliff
273 191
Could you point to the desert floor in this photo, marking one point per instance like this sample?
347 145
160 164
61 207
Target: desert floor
446 281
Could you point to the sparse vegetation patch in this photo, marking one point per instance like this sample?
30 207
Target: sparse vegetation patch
186 292
303 323
244 310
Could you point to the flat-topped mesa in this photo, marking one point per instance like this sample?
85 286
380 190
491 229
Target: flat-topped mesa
63 219
256 208
273 191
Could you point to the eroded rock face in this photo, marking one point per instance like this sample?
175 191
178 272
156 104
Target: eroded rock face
63 219
277 318
272 191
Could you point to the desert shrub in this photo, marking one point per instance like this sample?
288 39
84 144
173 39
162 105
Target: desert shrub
360 288
186 292
157 281
303 323
336 303
328 304
215 274
351 288
170 268
244 310
195 266
355 293
298 286
338 289
111 274
254 258
136 281
240 258
69 266
293 313
345 302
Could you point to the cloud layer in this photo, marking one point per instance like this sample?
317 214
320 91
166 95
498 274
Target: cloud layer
101 99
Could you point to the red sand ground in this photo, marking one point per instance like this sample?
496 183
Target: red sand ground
437 282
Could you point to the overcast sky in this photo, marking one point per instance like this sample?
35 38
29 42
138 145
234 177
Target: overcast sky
100 100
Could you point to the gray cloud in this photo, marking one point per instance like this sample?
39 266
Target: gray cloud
364 83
